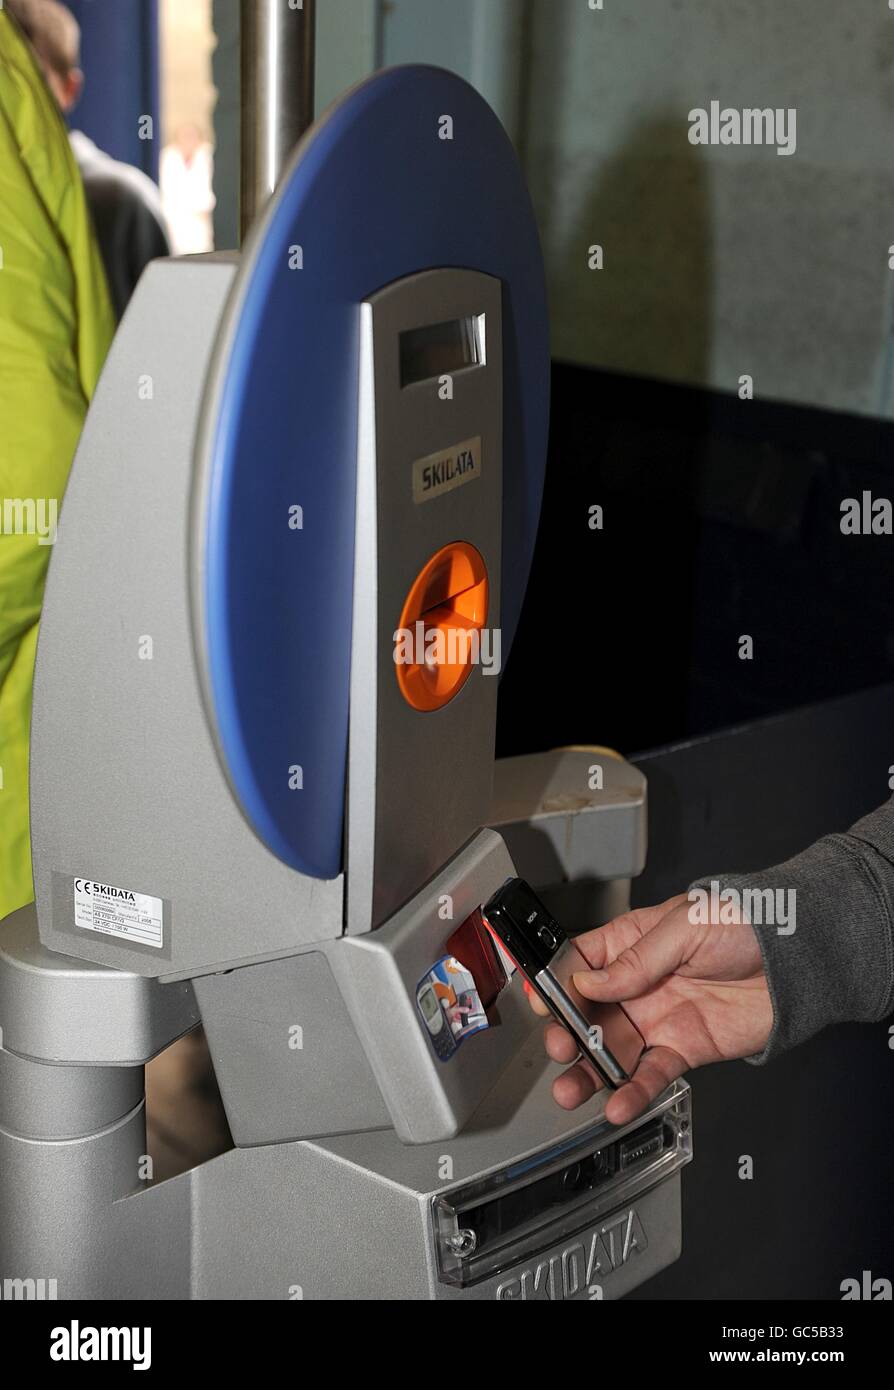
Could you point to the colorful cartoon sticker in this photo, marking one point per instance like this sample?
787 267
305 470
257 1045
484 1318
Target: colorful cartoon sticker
450 1006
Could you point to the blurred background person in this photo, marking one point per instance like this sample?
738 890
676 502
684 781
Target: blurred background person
186 175
124 202
56 324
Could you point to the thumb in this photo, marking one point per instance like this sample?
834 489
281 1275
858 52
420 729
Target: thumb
640 966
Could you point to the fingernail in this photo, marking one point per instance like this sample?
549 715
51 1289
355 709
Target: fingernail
598 977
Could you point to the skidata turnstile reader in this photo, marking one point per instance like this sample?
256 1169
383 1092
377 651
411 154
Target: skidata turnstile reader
261 800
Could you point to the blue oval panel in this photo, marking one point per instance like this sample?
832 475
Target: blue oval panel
373 194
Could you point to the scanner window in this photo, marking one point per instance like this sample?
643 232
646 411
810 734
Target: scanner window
440 349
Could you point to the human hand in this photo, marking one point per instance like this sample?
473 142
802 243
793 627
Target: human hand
696 991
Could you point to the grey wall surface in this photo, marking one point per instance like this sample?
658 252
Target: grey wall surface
484 40
724 260
225 73
719 261
348 47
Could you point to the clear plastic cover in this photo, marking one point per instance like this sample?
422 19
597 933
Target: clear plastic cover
487 1226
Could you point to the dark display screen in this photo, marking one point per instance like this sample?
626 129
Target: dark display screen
440 349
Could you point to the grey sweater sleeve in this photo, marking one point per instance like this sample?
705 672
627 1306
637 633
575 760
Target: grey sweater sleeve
837 965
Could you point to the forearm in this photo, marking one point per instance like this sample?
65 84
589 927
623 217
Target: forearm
837 965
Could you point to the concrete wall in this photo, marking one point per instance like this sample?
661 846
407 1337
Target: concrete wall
348 39
225 73
348 47
484 40
719 261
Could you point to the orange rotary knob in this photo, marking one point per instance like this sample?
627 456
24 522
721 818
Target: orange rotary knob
440 627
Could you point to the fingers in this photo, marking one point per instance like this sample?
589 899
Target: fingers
560 1045
641 965
580 1082
657 1069
605 943
574 1087
535 1001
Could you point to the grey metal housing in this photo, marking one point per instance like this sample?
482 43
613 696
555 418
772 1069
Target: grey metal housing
347 1126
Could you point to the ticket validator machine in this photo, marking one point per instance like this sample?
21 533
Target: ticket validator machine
249 810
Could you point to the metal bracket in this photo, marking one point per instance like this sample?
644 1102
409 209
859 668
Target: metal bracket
574 821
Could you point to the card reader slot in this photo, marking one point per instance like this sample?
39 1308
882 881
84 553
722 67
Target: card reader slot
484 1229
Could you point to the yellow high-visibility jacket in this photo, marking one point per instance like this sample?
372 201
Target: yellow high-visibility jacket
56 324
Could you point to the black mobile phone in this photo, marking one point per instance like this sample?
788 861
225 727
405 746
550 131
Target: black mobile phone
548 959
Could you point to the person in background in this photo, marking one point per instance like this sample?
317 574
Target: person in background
186 174
56 324
124 202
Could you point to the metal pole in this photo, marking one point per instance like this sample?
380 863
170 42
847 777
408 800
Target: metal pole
277 60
